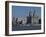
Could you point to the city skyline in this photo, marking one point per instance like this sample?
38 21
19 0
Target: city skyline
24 18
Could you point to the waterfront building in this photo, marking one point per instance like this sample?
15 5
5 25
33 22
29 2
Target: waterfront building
35 18
22 20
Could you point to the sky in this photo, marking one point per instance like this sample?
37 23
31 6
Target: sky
23 11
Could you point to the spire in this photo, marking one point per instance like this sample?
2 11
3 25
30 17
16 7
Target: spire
34 13
30 13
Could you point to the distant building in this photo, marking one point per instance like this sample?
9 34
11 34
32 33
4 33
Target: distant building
39 21
21 20
35 18
29 18
24 21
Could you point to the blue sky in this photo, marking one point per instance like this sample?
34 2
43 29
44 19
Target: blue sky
23 11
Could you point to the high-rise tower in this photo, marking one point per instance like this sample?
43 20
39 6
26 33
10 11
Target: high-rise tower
29 18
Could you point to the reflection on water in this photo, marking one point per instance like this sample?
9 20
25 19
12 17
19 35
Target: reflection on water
25 27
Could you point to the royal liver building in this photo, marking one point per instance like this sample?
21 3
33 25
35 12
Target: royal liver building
33 18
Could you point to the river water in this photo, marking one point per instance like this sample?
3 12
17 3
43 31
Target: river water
25 27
